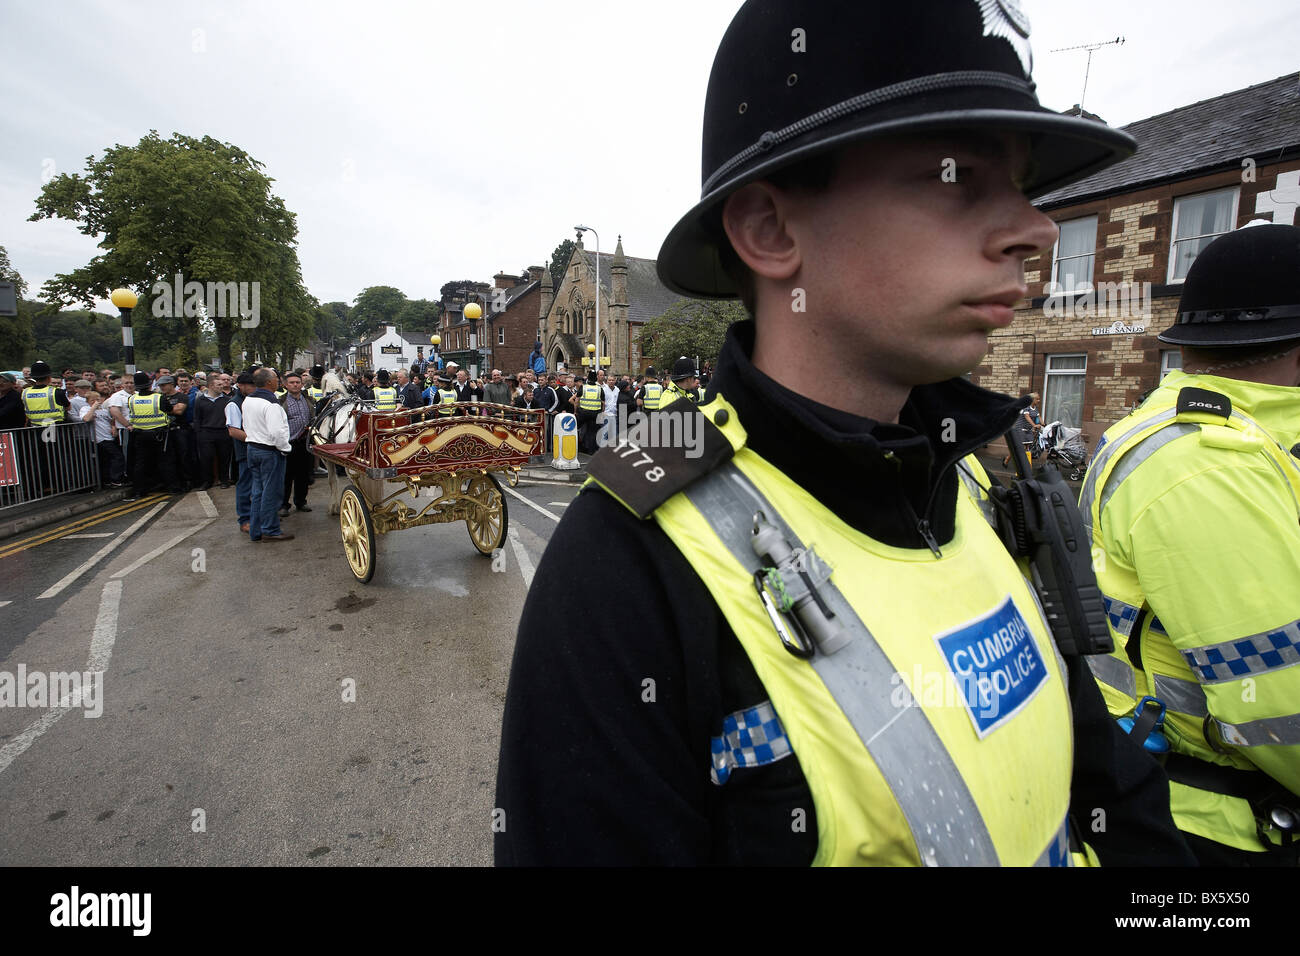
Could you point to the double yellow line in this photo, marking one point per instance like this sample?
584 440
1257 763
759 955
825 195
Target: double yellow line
72 527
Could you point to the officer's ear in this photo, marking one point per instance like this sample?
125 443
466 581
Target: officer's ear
755 220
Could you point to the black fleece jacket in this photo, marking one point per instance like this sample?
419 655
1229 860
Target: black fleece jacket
593 772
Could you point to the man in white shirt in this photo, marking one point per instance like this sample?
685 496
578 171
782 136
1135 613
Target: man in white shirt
608 432
266 430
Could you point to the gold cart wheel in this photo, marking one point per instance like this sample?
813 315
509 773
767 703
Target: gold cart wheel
358 533
487 529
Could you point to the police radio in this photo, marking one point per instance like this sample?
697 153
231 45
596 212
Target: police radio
1038 518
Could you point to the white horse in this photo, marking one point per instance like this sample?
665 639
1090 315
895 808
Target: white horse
336 424
336 420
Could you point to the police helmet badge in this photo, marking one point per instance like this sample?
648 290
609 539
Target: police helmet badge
1005 19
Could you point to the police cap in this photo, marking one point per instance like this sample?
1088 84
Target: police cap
40 370
684 368
792 80
141 379
1243 289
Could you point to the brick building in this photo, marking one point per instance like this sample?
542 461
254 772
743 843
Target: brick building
630 296
512 319
1087 341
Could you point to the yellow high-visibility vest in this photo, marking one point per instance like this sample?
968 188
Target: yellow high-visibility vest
385 399
924 737
591 398
1193 508
145 412
653 393
41 407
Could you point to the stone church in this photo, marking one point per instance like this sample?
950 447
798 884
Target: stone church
630 296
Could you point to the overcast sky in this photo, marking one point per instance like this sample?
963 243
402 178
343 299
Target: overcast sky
420 143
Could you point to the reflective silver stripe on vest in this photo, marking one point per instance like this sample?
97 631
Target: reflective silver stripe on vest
1113 672
1103 458
1183 696
1058 851
985 504
941 813
1281 731
1135 456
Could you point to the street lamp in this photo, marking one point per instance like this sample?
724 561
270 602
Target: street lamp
125 301
435 340
581 230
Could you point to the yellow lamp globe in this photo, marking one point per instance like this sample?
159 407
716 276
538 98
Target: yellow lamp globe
124 298
590 349
473 311
435 340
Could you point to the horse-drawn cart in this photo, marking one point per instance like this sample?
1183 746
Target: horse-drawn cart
405 469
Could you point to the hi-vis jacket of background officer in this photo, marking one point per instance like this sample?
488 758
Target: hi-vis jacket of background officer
41 406
673 391
385 398
145 412
653 395
446 399
591 399
1194 507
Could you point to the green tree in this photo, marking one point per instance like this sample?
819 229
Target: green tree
198 208
560 260
375 307
690 327
419 316
16 338
457 286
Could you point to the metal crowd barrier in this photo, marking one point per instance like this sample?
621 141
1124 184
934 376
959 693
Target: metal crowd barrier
37 463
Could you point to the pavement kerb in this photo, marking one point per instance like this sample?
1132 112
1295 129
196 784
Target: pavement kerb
61 509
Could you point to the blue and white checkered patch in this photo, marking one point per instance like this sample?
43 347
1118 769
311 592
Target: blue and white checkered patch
1231 660
1121 616
750 738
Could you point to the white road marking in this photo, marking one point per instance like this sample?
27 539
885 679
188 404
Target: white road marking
5 603
99 555
141 561
562 504
521 555
209 508
532 504
97 534
101 651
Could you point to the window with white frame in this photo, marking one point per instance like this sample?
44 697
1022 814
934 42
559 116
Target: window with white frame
1072 258
1170 360
1063 389
501 335
1198 221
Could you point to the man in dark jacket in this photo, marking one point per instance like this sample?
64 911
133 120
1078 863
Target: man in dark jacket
300 410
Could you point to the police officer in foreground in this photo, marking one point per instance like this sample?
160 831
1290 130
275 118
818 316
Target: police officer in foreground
816 561
1192 503
149 451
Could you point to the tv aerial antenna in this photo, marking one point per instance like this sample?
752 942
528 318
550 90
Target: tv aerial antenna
1090 47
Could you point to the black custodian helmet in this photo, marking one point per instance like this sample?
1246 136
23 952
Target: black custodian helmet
793 79
684 368
1243 289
